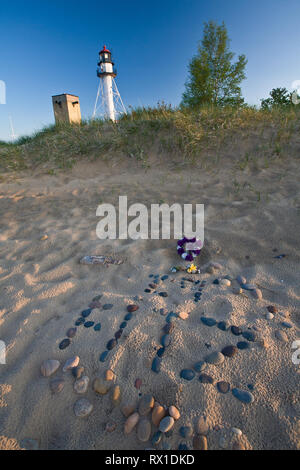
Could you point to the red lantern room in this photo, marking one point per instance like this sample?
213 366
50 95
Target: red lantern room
104 56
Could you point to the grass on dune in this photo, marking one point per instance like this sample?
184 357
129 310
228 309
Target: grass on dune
184 133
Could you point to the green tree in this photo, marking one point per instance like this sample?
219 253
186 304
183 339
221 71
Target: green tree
278 97
213 76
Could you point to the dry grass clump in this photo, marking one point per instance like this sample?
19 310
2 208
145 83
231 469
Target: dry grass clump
191 135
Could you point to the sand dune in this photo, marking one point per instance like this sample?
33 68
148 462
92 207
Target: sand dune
44 288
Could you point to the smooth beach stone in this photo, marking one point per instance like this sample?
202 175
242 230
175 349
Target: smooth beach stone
128 409
243 395
166 340
109 375
199 366
236 330
202 426
97 327
102 386
123 325
57 385
199 443
79 321
128 317
236 431
229 351
156 438
249 335
81 385
248 286
206 379
164 277
118 334
131 422
166 424
95 304
187 374
86 313
158 414
146 404
272 309
186 431
242 345
156 363
160 352
225 282
241 279
88 324
107 306
103 356
152 285
208 321
223 325
174 412
64 343
168 328
143 430
286 324
257 294
83 408
183 315
281 336
269 316
132 308
49 367
163 294
71 332
98 297
112 343
223 387
171 317
77 372
216 281
71 362
147 291
215 358
116 395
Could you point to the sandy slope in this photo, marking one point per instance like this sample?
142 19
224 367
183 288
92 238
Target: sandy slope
43 290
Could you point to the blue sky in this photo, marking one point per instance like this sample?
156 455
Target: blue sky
49 47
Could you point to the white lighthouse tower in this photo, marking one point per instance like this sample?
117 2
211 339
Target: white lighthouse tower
108 101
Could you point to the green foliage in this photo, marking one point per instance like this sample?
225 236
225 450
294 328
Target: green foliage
279 97
213 76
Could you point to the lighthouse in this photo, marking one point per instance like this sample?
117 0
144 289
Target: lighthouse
108 100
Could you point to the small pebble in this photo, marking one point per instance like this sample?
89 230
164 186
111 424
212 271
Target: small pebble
161 352
128 409
257 293
243 395
109 375
131 422
229 351
187 374
49 367
200 443
208 321
236 330
146 404
174 412
81 385
286 324
236 431
269 316
241 279
163 294
57 385
272 309
143 430
156 364
79 321
166 424
199 366
71 363
166 340
223 387
215 358
77 372
225 282
103 356
107 306
71 332
86 313
111 344
88 324
158 414
128 316
123 325
132 308
64 343
206 379
101 386
97 327
242 345
223 325
116 395
82 408
202 426
249 335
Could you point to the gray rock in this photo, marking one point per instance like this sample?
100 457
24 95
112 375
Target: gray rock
70 363
166 424
146 404
81 385
143 430
82 408
49 367
215 358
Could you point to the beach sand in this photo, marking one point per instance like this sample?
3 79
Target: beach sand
44 288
